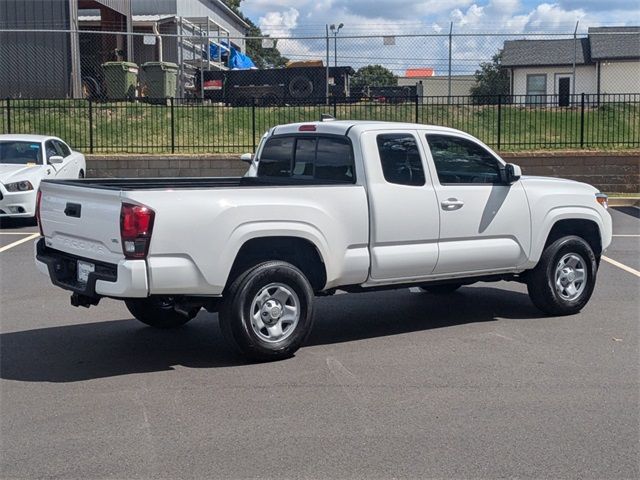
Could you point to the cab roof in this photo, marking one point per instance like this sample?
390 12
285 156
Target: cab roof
342 127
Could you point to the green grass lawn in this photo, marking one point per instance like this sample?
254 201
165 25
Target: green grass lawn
145 128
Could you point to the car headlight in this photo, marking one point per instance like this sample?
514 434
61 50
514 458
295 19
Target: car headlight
23 186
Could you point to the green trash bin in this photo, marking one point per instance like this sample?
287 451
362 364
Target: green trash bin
121 79
159 80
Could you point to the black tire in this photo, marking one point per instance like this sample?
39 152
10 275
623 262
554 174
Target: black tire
441 289
300 86
158 312
235 313
81 174
541 281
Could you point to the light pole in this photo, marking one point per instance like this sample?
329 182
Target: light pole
335 29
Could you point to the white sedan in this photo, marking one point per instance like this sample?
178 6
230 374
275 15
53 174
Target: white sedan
25 160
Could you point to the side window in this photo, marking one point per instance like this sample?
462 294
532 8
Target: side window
51 149
334 160
458 160
62 147
400 159
275 160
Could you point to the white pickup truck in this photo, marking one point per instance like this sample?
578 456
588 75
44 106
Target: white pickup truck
349 205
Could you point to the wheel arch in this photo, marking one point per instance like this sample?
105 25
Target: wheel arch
296 249
584 223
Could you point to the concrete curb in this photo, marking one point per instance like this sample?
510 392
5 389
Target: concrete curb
624 201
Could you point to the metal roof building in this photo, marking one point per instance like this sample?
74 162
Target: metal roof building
38 62
50 48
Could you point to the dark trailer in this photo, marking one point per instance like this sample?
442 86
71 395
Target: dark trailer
275 86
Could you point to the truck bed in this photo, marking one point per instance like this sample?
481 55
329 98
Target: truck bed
186 182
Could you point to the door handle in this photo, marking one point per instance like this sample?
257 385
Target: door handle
451 204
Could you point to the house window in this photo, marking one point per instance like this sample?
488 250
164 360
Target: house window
536 88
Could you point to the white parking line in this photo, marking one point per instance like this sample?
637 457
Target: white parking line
625 235
22 240
624 267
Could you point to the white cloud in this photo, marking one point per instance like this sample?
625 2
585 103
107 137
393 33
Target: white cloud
279 24
294 20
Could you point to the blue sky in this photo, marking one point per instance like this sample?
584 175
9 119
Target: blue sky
292 19
309 16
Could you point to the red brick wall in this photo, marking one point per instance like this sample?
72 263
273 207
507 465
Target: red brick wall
610 172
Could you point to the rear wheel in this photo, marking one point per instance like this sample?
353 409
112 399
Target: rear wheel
563 280
159 311
441 289
267 312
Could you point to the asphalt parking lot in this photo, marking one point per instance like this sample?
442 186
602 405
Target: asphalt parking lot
391 384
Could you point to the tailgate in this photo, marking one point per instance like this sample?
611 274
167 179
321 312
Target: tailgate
81 220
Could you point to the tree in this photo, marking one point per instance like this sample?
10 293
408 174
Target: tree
262 57
491 80
373 76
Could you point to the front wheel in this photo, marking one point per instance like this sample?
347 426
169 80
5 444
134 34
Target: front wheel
159 311
267 312
563 280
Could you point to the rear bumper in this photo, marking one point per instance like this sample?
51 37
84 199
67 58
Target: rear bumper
126 279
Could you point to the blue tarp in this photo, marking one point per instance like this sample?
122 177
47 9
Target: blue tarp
214 48
239 61
235 60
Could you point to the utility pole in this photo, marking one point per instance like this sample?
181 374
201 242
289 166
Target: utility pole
450 45
326 93
335 29
575 55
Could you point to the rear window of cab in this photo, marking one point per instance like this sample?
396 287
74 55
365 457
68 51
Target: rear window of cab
321 159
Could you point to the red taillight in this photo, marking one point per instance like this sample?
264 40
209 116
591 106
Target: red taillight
307 128
136 225
38 200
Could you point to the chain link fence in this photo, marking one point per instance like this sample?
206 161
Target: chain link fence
173 85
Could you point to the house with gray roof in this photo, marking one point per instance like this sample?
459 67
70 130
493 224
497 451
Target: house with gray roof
607 61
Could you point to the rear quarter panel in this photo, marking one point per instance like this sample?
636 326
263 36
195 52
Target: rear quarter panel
198 233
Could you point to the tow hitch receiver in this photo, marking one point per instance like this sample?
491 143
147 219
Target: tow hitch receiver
78 300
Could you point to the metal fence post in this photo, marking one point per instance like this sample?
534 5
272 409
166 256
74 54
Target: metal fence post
8 115
253 124
499 120
582 120
173 126
90 126
417 109
450 59
335 107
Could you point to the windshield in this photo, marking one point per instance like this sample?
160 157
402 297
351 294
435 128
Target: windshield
20 152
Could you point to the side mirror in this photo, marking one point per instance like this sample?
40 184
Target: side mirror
512 173
247 157
55 159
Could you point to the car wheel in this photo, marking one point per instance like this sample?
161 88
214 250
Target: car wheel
159 312
563 280
441 289
267 312
81 174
